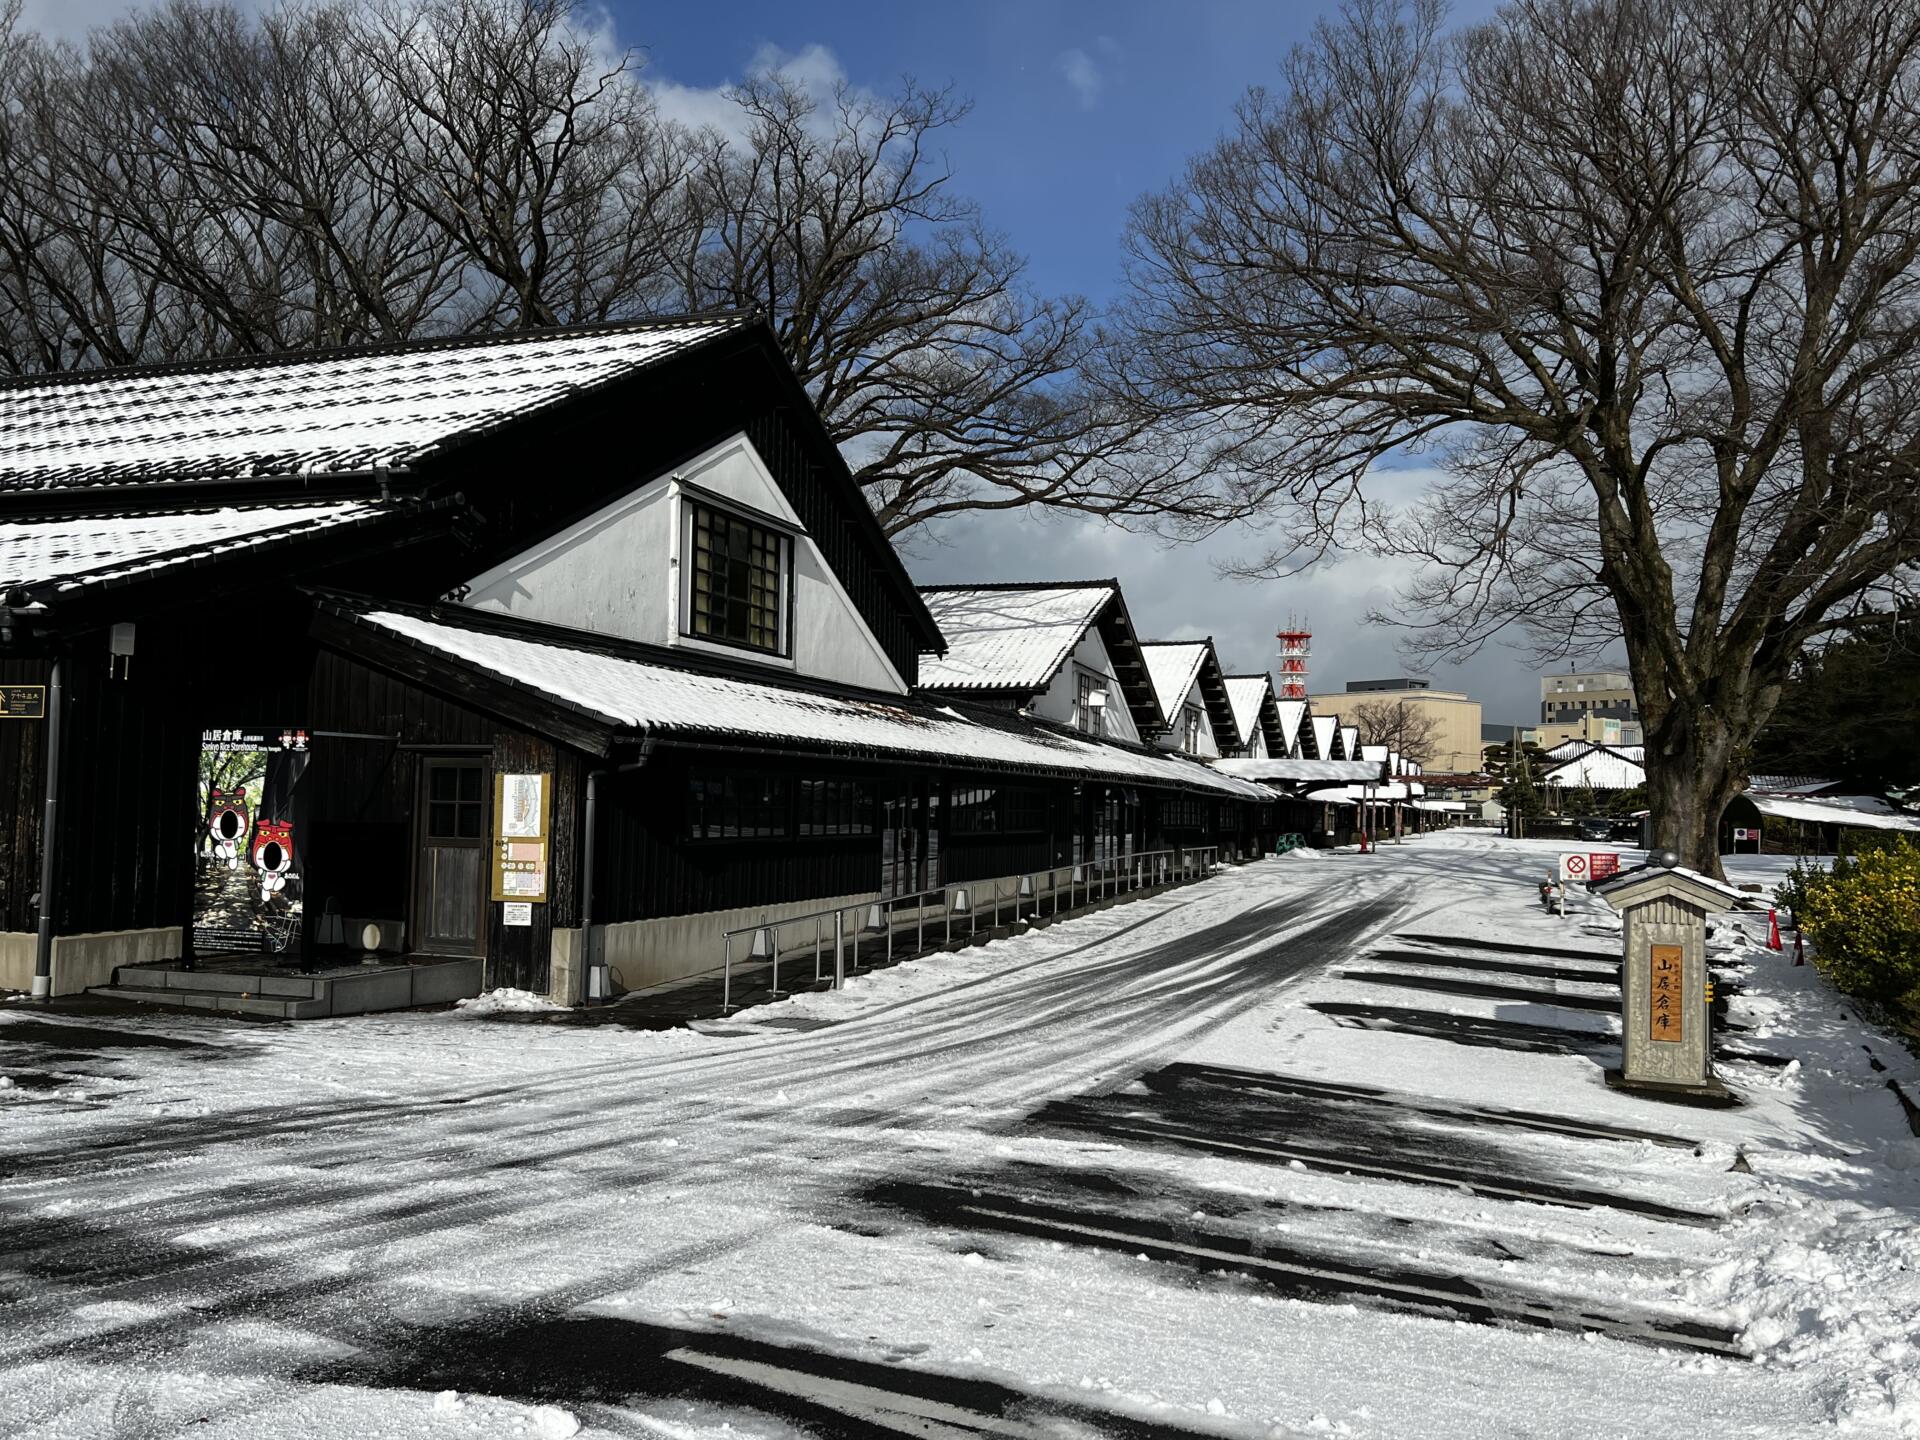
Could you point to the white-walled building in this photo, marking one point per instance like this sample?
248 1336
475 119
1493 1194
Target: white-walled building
1192 695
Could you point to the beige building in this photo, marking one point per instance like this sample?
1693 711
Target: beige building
1571 697
1596 729
1457 718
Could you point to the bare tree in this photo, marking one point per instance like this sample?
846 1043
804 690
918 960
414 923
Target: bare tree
1414 732
950 385
201 181
1639 273
536 154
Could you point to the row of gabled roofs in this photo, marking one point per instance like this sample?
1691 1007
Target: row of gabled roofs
1009 641
113 477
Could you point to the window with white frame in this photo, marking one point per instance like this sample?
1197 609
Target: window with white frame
1190 731
737 580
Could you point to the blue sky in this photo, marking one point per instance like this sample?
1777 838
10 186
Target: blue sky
1078 109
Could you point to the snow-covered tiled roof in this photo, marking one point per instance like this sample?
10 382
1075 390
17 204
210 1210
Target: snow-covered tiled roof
1325 729
1284 769
1790 784
1006 637
1865 811
1355 794
76 549
634 694
1292 712
1247 694
339 410
1173 666
1598 769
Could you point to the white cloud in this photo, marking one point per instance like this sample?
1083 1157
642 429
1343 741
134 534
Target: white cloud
1175 593
815 68
1089 73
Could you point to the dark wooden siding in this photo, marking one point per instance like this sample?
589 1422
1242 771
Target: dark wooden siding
648 867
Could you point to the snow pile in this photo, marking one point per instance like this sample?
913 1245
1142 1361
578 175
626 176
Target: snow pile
497 1002
1831 1287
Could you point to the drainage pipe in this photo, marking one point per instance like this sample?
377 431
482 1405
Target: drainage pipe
49 831
595 989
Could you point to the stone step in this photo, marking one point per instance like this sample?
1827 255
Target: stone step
344 990
219 1001
226 982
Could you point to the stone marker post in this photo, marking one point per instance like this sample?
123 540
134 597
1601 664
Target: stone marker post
1666 1041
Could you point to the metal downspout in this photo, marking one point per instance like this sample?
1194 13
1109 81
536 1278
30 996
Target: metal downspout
595 991
49 831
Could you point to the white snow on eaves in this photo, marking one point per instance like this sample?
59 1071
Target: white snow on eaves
1292 712
1173 666
344 411
1279 768
1597 769
1247 694
1006 638
105 547
1865 811
637 694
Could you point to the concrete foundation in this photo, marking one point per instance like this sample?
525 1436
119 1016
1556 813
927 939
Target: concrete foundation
640 953
81 962
567 968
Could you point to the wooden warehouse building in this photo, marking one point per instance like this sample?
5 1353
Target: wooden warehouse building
539 651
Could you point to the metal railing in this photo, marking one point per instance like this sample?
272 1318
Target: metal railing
1092 880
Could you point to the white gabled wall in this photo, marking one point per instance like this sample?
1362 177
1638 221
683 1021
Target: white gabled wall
1056 703
617 572
1175 738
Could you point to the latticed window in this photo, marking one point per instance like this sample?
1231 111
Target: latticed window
739 581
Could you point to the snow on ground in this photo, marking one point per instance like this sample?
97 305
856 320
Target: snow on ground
1131 1174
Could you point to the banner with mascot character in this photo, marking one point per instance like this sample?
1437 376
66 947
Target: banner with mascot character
247 889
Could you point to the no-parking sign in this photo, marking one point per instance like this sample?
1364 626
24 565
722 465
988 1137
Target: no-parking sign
1573 868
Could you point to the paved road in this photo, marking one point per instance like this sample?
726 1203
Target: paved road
386 1229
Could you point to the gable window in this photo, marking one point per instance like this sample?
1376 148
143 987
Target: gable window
1190 732
1088 716
737 590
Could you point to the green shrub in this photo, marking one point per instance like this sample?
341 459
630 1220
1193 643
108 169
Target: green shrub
1863 918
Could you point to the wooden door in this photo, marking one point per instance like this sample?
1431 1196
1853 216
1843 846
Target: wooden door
450 869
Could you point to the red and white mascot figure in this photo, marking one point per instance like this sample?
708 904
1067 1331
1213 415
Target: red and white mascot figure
273 855
227 822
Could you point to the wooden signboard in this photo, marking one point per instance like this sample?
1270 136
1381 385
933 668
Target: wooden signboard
522 808
23 702
1667 1018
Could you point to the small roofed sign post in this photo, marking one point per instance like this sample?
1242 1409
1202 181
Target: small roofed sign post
1573 871
1666 1044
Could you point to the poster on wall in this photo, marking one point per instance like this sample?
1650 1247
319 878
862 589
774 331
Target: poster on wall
520 810
247 871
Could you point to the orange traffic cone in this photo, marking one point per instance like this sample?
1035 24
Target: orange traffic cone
1773 930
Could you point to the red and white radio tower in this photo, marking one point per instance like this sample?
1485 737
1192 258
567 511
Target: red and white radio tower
1295 646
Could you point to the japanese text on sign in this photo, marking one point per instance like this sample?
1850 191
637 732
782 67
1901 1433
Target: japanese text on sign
1667 1017
521 807
1603 864
23 702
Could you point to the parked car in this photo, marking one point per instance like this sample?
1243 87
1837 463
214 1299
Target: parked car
1594 828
